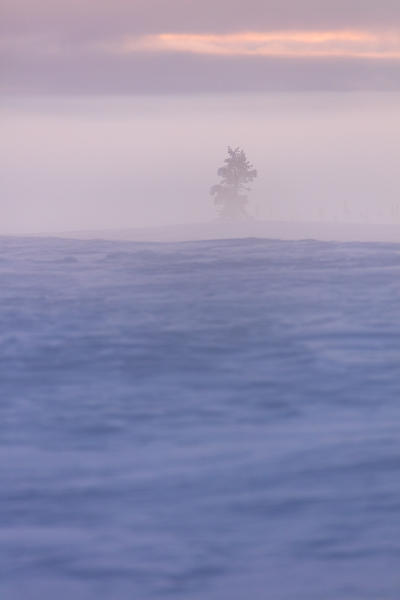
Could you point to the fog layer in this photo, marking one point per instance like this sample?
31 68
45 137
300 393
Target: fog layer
119 162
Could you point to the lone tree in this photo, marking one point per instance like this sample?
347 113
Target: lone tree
235 175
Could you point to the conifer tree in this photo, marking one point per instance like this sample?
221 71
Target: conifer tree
236 174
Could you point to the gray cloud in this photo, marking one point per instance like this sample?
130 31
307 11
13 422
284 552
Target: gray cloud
55 46
94 72
105 18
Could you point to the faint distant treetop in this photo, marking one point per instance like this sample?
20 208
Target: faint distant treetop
236 174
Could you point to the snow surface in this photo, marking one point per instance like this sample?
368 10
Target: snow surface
229 229
214 419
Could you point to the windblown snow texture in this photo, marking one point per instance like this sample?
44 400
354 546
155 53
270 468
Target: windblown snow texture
211 420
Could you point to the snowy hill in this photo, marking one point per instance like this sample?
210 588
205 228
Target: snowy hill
224 229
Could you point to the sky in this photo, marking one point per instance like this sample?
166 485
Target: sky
118 113
158 46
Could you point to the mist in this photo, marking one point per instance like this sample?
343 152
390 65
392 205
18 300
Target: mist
89 163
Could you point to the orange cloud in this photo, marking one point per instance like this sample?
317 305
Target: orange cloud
351 44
